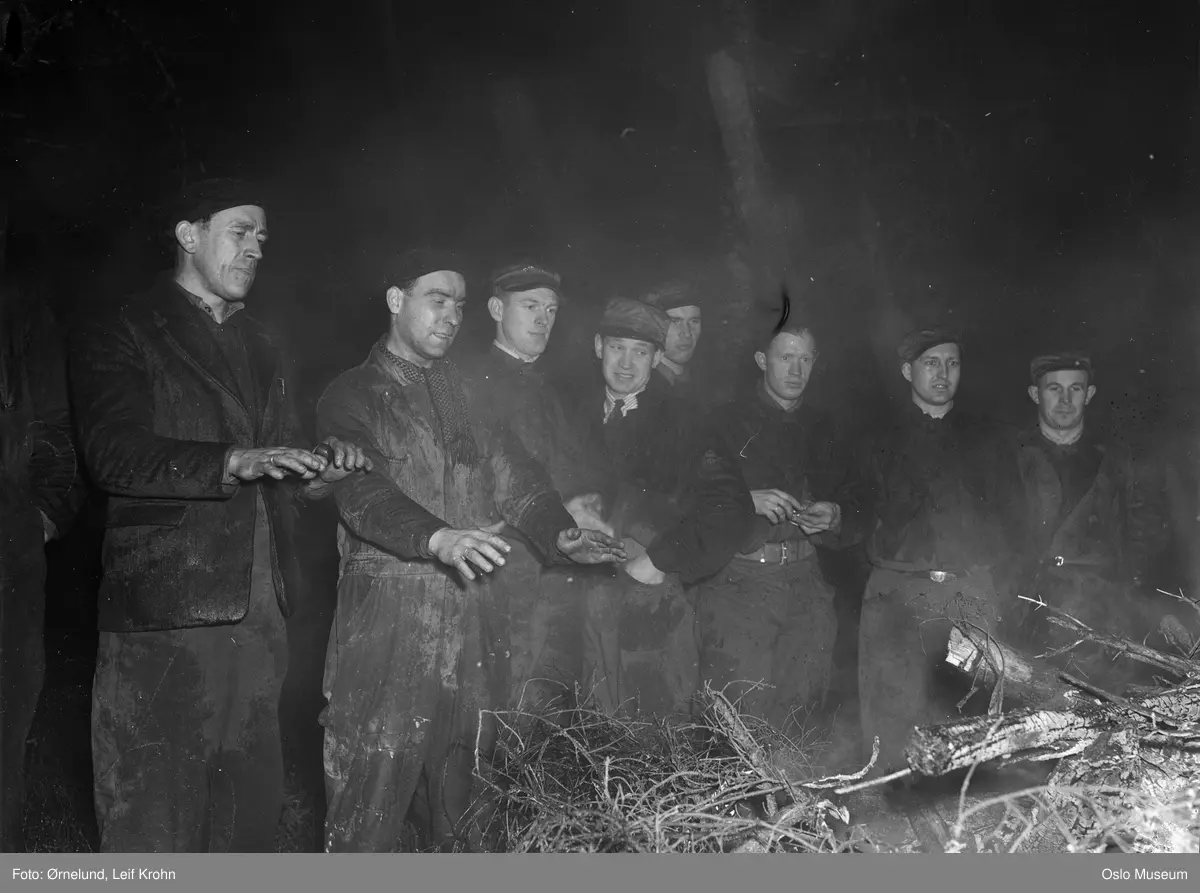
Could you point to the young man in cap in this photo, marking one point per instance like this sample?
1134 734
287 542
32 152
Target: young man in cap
940 525
41 492
508 385
1091 531
680 301
681 507
769 615
187 421
419 644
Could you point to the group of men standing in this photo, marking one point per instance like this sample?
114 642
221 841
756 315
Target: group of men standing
504 542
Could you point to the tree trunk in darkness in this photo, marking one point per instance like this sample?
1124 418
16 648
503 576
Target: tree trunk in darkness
764 265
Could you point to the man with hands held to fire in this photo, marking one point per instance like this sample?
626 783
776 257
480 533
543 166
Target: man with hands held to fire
420 642
186 422
680 504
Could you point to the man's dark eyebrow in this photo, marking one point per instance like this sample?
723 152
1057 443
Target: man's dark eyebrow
248 224
444 293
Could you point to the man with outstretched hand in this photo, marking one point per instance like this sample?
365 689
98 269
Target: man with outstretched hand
420 642
187 421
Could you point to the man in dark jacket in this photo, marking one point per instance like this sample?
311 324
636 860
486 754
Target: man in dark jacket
940 499
187 421
681 301
41 492
419 643
768 616
680 505
1091 531
509 385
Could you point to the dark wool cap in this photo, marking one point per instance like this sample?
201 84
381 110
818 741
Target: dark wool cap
672 294
204 198
627 318
413 263
1057 362
524 276
916 343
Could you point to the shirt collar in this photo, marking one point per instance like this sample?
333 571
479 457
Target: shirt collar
676 369
512 353
771 403
231 307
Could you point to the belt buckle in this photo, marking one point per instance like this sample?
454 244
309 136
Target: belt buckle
941 576
783 553
1059 561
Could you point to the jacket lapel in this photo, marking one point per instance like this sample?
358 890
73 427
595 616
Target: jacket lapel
185 332
264 357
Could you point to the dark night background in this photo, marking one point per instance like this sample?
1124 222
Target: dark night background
1026 170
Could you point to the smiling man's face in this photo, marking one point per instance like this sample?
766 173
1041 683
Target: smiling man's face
426 316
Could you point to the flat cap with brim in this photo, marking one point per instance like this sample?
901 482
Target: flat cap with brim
524 276
411 264
673 294
627 318
916 343
1057 362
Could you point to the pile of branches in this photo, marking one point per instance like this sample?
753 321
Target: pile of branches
1127 773
582 781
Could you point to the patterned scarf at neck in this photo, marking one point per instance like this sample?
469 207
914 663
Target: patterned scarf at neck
628 403
449 404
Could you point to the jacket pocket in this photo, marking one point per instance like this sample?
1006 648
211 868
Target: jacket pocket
157 513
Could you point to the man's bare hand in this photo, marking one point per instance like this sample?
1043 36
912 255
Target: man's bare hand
819 517
478 546
590 546
345 459
643 570
777 506
587 510
275 462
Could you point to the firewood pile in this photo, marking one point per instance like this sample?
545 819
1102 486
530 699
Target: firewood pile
1128 771
581 780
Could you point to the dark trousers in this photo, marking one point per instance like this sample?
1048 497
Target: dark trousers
903 679
772 624
545 606
641 651
186 746
22 660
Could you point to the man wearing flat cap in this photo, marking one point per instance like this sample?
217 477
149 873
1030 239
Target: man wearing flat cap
420 642
680 300
508 384
681 507
941 521
1091 530
187 420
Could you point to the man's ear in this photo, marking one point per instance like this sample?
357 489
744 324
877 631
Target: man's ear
760 360
599 343
658 355
1034 395
185 235
906 371
1091 392
495 308
395 299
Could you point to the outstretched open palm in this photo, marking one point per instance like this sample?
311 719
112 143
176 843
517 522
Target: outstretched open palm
590 546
